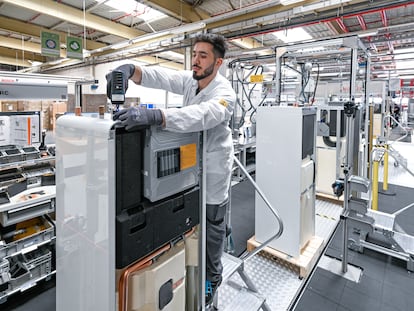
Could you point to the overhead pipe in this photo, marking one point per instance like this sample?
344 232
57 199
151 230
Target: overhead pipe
333 19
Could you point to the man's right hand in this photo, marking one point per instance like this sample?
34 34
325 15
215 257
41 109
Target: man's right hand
127 70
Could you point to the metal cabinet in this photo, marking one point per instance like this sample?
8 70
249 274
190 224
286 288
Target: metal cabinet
27 228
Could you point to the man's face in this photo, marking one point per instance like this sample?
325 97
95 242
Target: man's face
204 61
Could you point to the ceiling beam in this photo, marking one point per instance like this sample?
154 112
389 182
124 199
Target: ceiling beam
19 45
32 30
14 62
76 16
178 9
21 54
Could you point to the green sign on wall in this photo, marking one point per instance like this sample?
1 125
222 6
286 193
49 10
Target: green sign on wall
50 43
74 48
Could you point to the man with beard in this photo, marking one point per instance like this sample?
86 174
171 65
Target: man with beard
208 102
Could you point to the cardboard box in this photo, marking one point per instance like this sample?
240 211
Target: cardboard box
56 109
9 106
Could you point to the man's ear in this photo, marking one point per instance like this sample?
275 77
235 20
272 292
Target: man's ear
219 61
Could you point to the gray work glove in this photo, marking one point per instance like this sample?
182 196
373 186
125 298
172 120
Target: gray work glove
138 116
128 71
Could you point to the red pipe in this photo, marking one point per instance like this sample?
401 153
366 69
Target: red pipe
396 6
341 24
362 22
384 18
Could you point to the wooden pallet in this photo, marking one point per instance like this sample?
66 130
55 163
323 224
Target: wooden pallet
302 264
330 198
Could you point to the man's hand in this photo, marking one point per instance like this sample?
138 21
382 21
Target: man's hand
127 70
138 116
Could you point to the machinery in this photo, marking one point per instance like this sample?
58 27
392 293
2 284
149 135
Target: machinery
375 230
27 204
125 202
293 157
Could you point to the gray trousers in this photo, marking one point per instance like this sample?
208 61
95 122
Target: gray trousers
215 238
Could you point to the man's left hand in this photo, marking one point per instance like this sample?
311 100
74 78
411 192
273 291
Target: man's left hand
138 116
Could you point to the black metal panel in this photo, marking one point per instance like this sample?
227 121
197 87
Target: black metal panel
175 216
129 159
134 234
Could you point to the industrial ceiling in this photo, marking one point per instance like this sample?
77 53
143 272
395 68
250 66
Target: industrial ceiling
158 31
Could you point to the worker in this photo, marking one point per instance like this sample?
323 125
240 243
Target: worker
208 102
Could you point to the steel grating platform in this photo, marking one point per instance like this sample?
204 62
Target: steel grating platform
277 282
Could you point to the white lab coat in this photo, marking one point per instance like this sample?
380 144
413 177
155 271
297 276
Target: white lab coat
211 110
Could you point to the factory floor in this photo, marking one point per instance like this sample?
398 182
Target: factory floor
384 284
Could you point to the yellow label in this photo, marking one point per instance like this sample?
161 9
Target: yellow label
256 78
188 156
223 102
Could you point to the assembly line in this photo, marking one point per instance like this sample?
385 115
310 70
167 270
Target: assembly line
275 178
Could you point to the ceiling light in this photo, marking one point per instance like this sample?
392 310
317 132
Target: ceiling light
289 2
292 35
369 33
34 63
174 31
58 61
150 36
120 45
406 76
135 9
187 28
403 53
404 65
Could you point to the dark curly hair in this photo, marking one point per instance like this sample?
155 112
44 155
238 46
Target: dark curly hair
218 42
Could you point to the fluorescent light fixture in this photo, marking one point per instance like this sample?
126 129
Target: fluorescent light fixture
289 2
34 63
135 9
316 68
155 35
314 6
329 74
404 65
368 33
406 53
292 35
150 36
187 28
120 45
58 61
